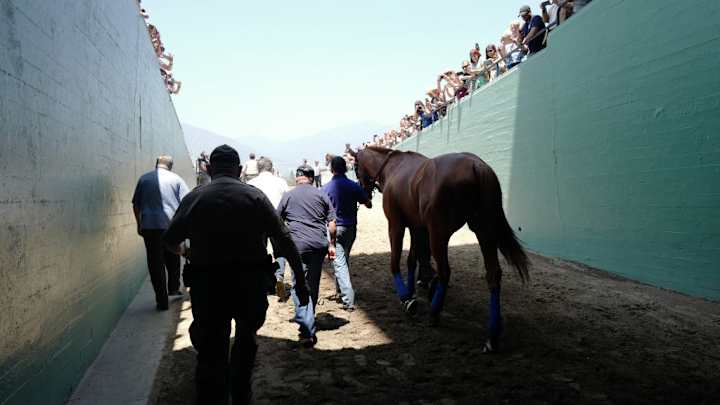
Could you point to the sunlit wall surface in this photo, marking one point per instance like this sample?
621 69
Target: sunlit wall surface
83 113
608 142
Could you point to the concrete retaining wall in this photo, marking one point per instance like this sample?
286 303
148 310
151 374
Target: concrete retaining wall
608 142
83 113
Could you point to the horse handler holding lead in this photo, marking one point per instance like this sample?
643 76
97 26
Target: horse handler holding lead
227 223
345 195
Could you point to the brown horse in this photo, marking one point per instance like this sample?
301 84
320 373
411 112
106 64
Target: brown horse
434 198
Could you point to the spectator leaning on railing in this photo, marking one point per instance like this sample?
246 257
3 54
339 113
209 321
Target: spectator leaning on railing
494 64
521 40
533 31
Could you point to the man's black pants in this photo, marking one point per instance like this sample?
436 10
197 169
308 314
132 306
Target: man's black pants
318 181
215 303
158 259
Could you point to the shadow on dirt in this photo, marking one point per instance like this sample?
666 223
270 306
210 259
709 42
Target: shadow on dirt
572 336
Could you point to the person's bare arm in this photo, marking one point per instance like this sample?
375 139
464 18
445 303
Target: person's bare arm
530 35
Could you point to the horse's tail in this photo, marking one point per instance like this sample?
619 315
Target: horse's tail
507 241
511 248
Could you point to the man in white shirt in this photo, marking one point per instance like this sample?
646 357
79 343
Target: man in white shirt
250 170
555 12
157 196
273 187
317 180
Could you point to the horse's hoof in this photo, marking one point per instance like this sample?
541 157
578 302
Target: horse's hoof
490 347
410 306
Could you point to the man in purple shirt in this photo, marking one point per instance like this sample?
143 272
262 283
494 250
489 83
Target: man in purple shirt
344 194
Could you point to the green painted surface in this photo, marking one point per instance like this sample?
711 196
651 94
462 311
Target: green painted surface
608 142
83 113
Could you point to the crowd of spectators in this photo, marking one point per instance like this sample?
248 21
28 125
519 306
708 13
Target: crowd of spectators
522 39
165 59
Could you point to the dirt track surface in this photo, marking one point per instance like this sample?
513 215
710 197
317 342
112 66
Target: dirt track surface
573 335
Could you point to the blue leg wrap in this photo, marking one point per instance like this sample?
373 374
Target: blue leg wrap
402 291
495 324
438 298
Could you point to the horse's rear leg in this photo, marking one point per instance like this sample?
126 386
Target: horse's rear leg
493 275
397 232
439 251
411 266
422 254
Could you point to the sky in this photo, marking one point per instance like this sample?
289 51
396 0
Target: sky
284 69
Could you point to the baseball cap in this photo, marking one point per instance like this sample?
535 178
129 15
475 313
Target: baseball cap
224 156
306 171
524 10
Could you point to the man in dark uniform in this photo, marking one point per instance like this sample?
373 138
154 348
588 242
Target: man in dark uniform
227 223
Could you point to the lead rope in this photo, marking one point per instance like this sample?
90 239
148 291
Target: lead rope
373 181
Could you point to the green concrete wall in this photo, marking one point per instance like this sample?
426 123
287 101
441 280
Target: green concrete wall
83 113
608 142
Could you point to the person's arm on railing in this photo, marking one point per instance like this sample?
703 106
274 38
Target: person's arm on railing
531 34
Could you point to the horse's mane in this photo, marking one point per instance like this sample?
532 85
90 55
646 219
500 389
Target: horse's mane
381 149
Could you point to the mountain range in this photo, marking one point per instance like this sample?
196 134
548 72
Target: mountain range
286 154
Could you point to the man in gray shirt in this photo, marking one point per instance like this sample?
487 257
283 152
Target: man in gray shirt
310 217
157 196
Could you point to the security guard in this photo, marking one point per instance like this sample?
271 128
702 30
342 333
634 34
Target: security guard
227 223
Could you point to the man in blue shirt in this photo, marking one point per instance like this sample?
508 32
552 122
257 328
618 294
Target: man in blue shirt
310 216
157 196
533 31
344 194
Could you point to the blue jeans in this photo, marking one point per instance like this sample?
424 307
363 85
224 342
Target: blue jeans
345 239
280 272
312 267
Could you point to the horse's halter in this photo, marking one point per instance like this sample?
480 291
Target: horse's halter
373 180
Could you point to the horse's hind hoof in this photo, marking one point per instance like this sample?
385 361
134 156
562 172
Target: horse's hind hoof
410 306
490 347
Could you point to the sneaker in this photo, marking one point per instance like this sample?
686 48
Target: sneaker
308 341
280 290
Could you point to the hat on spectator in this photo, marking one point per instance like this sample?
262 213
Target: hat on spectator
224 156
524 10
306 171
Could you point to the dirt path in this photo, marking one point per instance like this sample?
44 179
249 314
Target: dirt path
574 335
